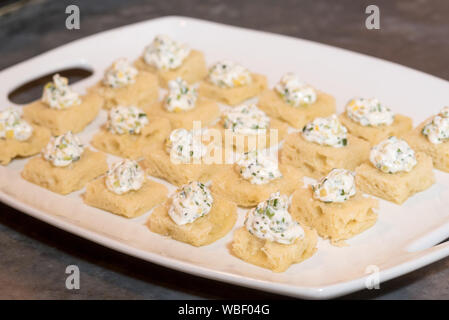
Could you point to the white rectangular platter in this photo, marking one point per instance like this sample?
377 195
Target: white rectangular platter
404 237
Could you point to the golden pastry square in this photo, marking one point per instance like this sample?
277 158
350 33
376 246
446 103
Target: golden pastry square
335 221
374 135
12 148
205 111
317 160
229 183
157 163
272 255
130 204
396 187
193 69
73 119
132 145
247 142
274 106
203 231
65 180
236 95
438 152
144 91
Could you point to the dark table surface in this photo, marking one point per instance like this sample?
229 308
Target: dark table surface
34 256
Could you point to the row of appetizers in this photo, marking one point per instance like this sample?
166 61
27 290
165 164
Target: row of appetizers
368 138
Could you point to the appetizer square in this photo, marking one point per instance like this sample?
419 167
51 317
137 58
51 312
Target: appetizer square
65 180
181 158
193 69
249 128
295 102
194 215
125 191
272 255
129 131
65 166
323 145
395 172
62 109
333 208
169 59
400 126
182 106
370 120
231 83
254 177
123 85
396 187
157 164
431 137
274 249
18 138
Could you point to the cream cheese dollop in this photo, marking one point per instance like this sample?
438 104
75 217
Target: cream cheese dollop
126 120
369 112
437 129
185 146
271 221
326 131
337 186
181 96
246 119
120 74
125 176
258 168
294 91
58 95
393 155
63 150
229 74
165 53
190 202
12 126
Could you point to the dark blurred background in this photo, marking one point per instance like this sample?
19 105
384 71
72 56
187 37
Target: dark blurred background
34 255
